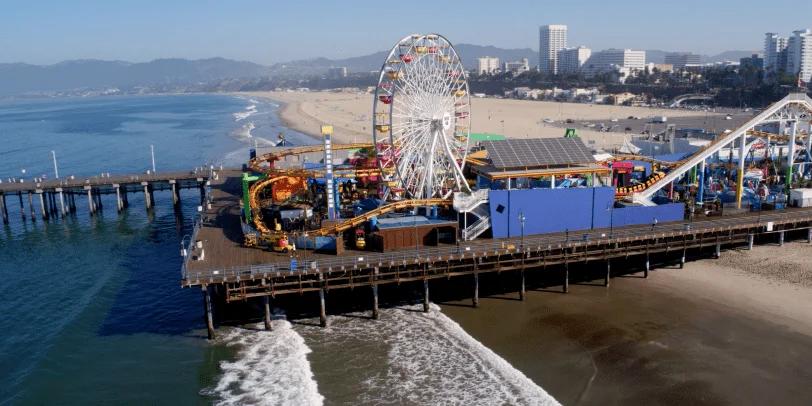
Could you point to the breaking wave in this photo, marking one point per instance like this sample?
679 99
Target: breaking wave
271 368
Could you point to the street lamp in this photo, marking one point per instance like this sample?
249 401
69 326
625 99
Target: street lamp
522 220
611 209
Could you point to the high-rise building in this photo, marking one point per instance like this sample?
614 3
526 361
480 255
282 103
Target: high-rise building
799 54
487 65
517 67
754 61
775 56
552 38
682 59
570 60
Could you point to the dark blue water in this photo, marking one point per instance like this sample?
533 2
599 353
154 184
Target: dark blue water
92 307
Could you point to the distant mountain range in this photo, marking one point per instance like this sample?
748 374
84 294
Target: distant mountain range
180 74
21 78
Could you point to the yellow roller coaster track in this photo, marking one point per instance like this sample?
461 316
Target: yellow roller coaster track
306 149
402 204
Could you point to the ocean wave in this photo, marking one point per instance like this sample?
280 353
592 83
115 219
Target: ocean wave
271 368
426 358
244 134
459 367
249 111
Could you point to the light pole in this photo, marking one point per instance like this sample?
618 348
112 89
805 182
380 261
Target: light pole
56 169
522 219
152 153
611 209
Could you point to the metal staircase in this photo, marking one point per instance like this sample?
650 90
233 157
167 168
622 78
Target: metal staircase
475 203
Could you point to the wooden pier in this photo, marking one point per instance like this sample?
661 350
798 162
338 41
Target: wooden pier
216 260
57 197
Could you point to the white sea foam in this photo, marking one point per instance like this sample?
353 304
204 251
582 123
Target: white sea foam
432 360
249 111
429 360
271 368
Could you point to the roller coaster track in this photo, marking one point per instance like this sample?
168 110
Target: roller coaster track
273 156
356 221
797 100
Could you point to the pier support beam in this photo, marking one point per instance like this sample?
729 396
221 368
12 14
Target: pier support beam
3 208
521 287
62 209
750 239
175 193
808 235
476 288
608 273
322 308
42 207
119 202
147 195
566 287
91 205
718 253
266 304
425 295
375 314
648 264
31 206
781 238
207 310
22 207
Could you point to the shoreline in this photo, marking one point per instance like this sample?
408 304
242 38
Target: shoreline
350 115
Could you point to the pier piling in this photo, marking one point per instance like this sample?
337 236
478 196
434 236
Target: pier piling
476 288
266 304
375 314
521 288
750 239
31 206
62 202
147 195
42 205
3 208
645 271
566 287
119 202
322 308
91 206
425 295
207 309
809 235
718 253
781 238
22 207
608 273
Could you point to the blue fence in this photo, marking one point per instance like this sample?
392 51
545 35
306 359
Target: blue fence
556 210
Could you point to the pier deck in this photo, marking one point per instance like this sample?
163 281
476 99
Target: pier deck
251 272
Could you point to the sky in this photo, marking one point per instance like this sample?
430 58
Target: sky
272 31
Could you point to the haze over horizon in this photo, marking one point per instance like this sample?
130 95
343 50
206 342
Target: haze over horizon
51 31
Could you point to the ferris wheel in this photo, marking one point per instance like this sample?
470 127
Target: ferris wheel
421 118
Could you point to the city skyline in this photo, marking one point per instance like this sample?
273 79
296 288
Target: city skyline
271 33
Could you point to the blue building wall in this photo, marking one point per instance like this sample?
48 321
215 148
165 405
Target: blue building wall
556 210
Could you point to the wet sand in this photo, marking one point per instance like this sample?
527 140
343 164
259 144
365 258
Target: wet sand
717 332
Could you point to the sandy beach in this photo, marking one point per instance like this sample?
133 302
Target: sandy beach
734 330
350 114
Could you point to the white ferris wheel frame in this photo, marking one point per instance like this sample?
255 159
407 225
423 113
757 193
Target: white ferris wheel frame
422 117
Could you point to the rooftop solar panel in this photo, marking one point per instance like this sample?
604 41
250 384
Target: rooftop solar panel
515 153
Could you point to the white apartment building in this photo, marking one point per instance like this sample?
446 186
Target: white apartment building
517 67
799 54
552 38
487 65
774 52
570 60
622 61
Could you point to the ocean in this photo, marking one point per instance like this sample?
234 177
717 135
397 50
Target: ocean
92 307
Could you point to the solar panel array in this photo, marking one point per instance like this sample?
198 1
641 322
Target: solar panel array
518 153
